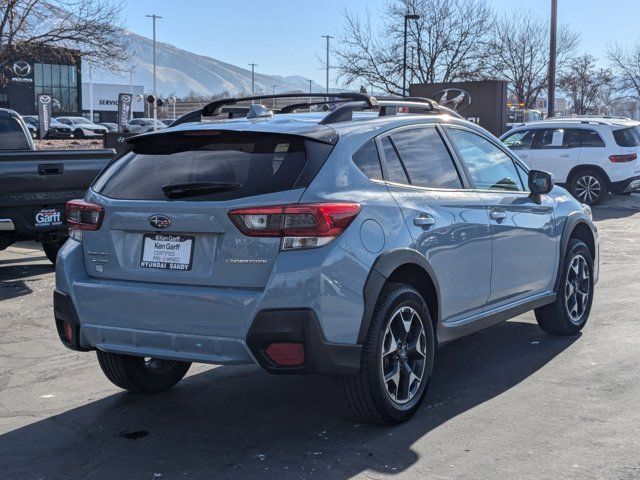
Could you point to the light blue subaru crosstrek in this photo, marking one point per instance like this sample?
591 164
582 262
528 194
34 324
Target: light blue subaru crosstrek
352 243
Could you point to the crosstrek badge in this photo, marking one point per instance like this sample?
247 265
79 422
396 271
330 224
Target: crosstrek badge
48 217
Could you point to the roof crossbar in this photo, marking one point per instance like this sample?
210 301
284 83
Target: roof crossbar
214 107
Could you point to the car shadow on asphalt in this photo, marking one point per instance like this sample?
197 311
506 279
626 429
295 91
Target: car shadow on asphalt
238 422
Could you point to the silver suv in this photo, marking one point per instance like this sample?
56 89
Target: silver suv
352 243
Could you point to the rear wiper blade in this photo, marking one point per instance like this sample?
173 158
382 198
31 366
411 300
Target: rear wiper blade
194 189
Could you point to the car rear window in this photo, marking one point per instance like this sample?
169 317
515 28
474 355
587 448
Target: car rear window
242 164
627 137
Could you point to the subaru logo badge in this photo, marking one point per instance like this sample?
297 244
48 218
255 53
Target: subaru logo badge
456 99
159 221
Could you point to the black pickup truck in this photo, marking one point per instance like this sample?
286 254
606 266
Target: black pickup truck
35 185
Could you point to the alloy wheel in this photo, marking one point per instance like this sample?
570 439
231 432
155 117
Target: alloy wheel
404 355
588 188
577 288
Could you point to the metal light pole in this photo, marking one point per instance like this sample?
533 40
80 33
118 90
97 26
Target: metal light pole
310 84
273 99
155 93
253 79
404 54
551 107
90 92
328 37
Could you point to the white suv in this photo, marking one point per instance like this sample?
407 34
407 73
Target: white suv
591 156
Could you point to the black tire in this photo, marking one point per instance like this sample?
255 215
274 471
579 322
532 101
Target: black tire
556 318
78 133
589 186
141 375
368 395
51 249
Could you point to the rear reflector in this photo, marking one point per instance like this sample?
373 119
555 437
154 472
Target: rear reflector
68 332
299 226
629 157
83 215
286 354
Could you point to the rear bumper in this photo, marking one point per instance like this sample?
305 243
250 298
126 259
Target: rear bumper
217 325
625 186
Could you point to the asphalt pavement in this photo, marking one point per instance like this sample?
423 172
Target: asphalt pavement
507 403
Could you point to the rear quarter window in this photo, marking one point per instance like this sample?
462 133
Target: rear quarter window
368 161
627 137
240 164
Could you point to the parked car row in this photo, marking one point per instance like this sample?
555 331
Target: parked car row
81 127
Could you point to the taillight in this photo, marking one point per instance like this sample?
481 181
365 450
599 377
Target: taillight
299 226
629 157
83 215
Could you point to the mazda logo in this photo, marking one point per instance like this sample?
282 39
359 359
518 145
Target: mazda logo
126 98
45 99
159 221
21 68
456 99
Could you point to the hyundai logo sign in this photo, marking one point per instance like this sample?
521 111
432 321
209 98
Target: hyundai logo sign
21 68
159 221
456 99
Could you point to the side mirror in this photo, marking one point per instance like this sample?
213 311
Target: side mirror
540 182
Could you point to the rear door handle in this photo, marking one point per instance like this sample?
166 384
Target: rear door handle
564 155
50 169
424 221
498 215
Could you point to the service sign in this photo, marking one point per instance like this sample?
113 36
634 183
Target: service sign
44 113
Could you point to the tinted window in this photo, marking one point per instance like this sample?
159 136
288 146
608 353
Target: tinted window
367 160
521 140
426 159
589 138
395 171
489 167
248 163
12 137
627 137
551 138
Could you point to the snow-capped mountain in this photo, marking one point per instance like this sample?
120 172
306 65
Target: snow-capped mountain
181 73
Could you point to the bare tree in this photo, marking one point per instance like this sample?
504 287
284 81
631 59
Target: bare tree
626 66
449 40
520 54
585 84
92 27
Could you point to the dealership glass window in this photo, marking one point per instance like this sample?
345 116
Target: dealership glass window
61 82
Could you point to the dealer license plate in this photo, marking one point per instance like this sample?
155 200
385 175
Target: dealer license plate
167 252
48 217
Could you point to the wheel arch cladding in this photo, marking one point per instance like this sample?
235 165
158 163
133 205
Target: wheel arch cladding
577 227
400 266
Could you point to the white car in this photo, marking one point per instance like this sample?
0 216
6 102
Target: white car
591 156
83 127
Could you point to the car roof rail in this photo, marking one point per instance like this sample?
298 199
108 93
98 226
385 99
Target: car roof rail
214 107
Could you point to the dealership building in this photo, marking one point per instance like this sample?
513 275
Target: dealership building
60 75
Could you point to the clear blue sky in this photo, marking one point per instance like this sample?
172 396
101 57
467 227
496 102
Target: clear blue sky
284 36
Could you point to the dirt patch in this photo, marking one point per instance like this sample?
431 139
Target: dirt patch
70 144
